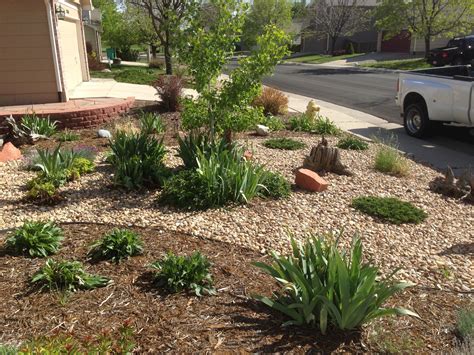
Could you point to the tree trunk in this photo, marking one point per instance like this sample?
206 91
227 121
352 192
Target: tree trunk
323 159
228 137
427 46
168 60
333 44
153 51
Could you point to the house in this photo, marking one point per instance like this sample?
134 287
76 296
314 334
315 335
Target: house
42 50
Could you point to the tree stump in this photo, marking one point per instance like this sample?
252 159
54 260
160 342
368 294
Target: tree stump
324 159
19 136
462 188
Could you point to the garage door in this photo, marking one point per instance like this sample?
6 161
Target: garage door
398 44
71 60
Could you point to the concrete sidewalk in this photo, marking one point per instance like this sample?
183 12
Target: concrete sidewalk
433 151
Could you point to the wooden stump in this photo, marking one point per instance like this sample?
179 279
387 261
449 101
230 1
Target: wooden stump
462 188
324 159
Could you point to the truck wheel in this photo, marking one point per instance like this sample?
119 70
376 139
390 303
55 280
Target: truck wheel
416 121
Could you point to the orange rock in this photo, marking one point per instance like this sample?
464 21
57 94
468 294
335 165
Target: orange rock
248 155
9 152
309 180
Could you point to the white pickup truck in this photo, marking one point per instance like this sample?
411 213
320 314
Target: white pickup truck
434 96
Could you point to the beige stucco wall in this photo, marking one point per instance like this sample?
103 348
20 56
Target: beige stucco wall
27 72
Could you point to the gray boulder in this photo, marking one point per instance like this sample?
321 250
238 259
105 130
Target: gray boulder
263 130
103 133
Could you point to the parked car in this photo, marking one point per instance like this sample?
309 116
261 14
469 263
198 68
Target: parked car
458 51
434 96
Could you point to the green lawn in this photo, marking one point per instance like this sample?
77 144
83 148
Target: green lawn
402 64
132 75
321 58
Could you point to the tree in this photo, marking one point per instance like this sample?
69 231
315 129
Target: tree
336 18
427 19
166 17
266 12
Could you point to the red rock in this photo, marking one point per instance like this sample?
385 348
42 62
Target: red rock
9 152
309 180
248 155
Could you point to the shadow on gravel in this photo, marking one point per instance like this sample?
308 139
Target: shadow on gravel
459 249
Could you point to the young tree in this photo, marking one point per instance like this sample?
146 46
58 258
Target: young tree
427 19
263 13
336 18
166 17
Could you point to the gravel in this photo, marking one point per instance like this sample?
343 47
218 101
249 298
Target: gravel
437 253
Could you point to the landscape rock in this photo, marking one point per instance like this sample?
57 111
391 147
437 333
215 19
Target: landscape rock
106 71
9 152
103 133
248 155
309 180
263 130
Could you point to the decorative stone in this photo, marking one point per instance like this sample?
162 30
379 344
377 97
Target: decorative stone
248 155
263 130
106 71
310 181
10 152
103 133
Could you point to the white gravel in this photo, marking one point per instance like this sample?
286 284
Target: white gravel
437 253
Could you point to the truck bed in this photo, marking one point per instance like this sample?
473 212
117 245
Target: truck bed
461 72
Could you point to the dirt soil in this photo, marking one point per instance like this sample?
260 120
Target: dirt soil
230 321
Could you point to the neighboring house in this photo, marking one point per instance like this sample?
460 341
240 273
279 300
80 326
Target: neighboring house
92 20
42 50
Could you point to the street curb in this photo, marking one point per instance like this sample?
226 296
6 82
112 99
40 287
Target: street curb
351 67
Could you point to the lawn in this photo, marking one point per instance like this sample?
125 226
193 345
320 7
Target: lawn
132 75
321 58
402 64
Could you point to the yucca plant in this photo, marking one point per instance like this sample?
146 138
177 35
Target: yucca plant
322 286
67 276
151 123
38 125
117 245
36 239
178 273
196 142
54 165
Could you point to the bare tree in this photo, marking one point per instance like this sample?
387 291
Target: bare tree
336 18
166 16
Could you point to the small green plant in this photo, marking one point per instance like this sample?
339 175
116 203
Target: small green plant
352 143
389 209
151 123
43 192
194 143
54 165
390 161
38 125
8 350
275 123
323 286
67 276
385 341
178 273
117 245
68 136
284 143
317 124
325 126
80 166
465 323
36 239
302 123
275 186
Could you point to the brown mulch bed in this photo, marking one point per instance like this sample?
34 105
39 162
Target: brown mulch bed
230 321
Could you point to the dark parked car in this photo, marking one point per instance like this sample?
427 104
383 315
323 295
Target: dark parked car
459 51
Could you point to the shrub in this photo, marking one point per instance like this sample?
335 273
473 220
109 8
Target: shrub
37 239
80 166
388 160
322 286
284 143
275 186
178 273
117 245
302 123
67 276
151 123
275 123
465 323
190 145
55 165
43 192
352 143
156 63
138 160
38 125
390 209
86 151
186 189
273 101
68 136
170 90
325 126
318 124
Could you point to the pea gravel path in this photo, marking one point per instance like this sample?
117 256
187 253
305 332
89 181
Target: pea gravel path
437 253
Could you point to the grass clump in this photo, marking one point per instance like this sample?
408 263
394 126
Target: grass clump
389 209
388 160
465 323
36 239
322 286
275 186
117 245
275 123
151 123
352 143
132 75
402 64
178 273
272 101
38 125
67 276
314 124
68 136
284 144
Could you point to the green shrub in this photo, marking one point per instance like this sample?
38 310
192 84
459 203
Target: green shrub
275 186
80 166
325 126
8 350
68 136
275 123
284 143
190 145
42 191
67 276
178 273
465 323
54 165
318 124
388 160
322 286
37 239
138 161
151 123
186 189
117 245
352 143
390 209
38 125
302 123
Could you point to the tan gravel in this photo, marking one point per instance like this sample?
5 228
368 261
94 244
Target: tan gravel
437 253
